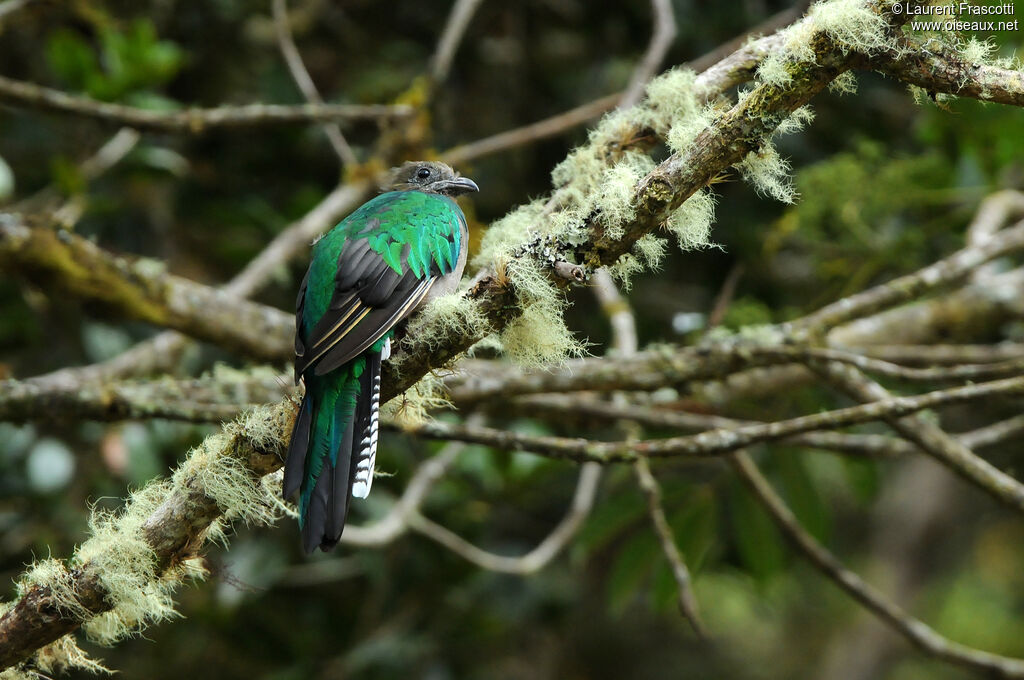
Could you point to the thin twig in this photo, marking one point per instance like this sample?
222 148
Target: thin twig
624 340
916 355
719 441
549 127
928 436
396 522
661 40
301 76
192 120
454 29
945 272
688 605
540 556
915 631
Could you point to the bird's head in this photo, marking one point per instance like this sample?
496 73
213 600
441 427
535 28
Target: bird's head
432 177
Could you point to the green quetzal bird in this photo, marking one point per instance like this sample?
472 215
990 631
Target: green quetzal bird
371 271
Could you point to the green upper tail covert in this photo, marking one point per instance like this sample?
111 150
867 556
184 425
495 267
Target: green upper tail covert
393 254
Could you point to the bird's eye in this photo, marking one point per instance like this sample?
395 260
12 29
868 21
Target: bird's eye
423 173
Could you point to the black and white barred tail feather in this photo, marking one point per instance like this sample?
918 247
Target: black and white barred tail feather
367 456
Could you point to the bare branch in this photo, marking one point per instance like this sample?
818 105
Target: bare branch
397 521
928 436
945 272
661 40
539 557
688 606
454 29
193 120
719 441
916 632
300 75
549 127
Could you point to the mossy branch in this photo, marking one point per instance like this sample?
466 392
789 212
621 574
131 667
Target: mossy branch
939 69
215 398
123 575
143 289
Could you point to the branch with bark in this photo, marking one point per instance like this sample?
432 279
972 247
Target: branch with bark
190 121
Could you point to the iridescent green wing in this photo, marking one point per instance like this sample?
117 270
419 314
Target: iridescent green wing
370 272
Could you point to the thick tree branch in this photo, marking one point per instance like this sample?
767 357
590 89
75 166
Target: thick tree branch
173 531
936 68
142 289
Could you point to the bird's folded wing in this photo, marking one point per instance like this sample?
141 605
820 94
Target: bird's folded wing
369 298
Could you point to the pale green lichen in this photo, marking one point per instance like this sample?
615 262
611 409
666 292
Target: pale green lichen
774 69
53 574
650 250
445 317
978 51
539 337
127 567
672 99
852 24
413 406
624 268
796 121
769 173
505 234
691 222
844 83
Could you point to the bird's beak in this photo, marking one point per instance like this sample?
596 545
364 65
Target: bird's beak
459 186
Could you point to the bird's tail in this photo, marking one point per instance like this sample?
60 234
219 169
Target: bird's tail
334 445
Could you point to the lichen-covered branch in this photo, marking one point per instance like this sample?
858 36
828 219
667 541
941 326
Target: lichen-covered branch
142 289
189 121
719 441
216 398
122 577
939 69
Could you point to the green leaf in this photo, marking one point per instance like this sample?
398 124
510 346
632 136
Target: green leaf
71 59
757 539
633 563
610 518
802 494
